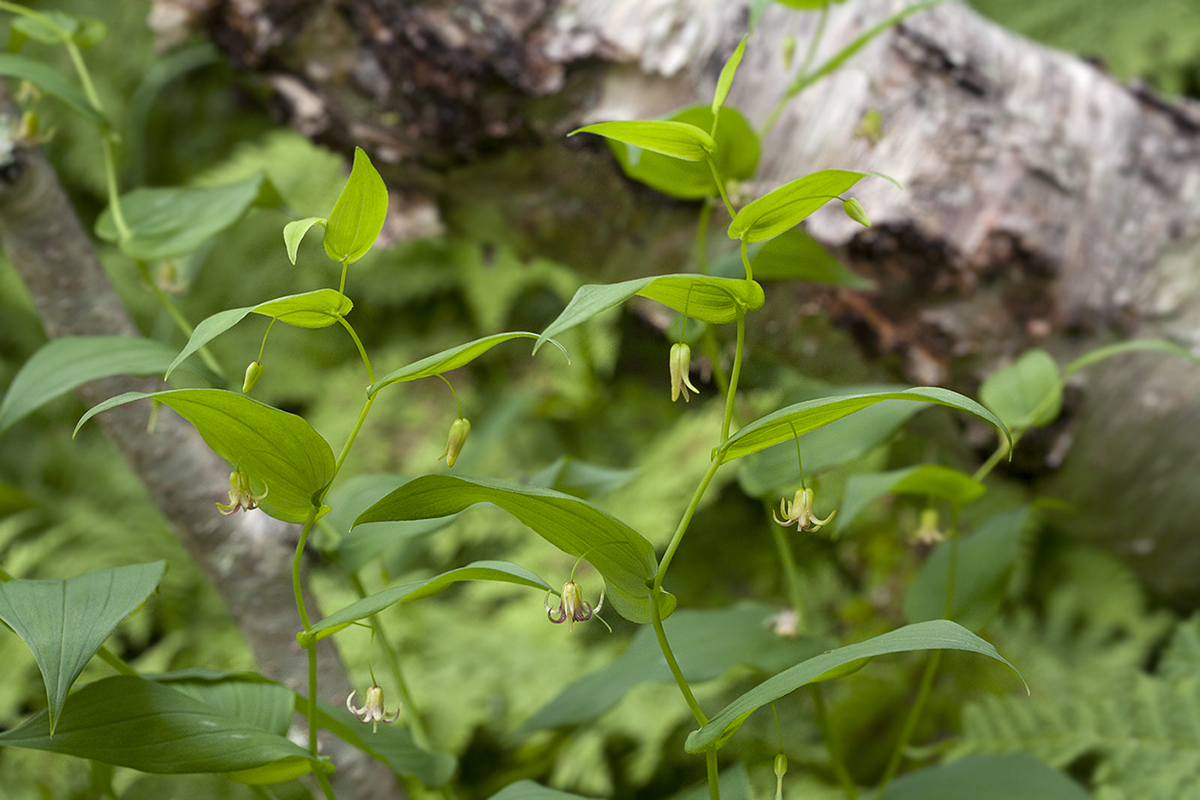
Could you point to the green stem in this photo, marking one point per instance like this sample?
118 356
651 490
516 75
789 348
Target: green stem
326 789
746 260
312 695
731 395
677 537
362 417
708 341
910 724
342 282
362 351
665 646
297 591
799 83
714 783
791 572
721 187
995 458
177 316
821 713
456 402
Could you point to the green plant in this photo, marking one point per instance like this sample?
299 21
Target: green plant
282 465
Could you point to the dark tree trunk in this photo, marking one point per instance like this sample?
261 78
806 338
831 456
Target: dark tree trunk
1045 203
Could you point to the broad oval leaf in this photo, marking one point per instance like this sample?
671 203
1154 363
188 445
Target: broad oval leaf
803 417
675 139
170 222
725 79
736 156
935 635
51 81
359 213
987 777
1027 393
495 571
787 206
131 722
64 622
713 300
450 359
930 480
294 232
281 453
318 309
620 554
794 255
68 363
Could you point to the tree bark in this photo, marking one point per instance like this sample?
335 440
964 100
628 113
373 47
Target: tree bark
248 557
1045 203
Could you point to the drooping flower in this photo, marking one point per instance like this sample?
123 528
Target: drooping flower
253 373
927 531
372 711
681 365
799 512
454 444
572 607
241 496
786 623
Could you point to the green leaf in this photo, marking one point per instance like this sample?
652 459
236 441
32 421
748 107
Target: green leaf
776 468
713 300
985 562
168 223
936 635
495 571
803 81
48 27
358 215
812 414
794 255
450 359
725 80
359 546
707 644
1134 346
131 722
736 156
987 777
318 309
929 480
1026 393
293 232
50 81
675 139
280 453
785 207
620 554
64 622
528 790
246 697
68 363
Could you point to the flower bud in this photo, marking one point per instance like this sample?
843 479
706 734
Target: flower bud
454 444
855 211
780 771
253 373
928 532
789 51
681 365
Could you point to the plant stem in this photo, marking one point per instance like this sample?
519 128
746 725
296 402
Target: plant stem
733 378
821 714
683 524
362 417
791 572
665 646
312 695
714 783
177 316
1001 451
721 188
362 351
326 789
798 84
